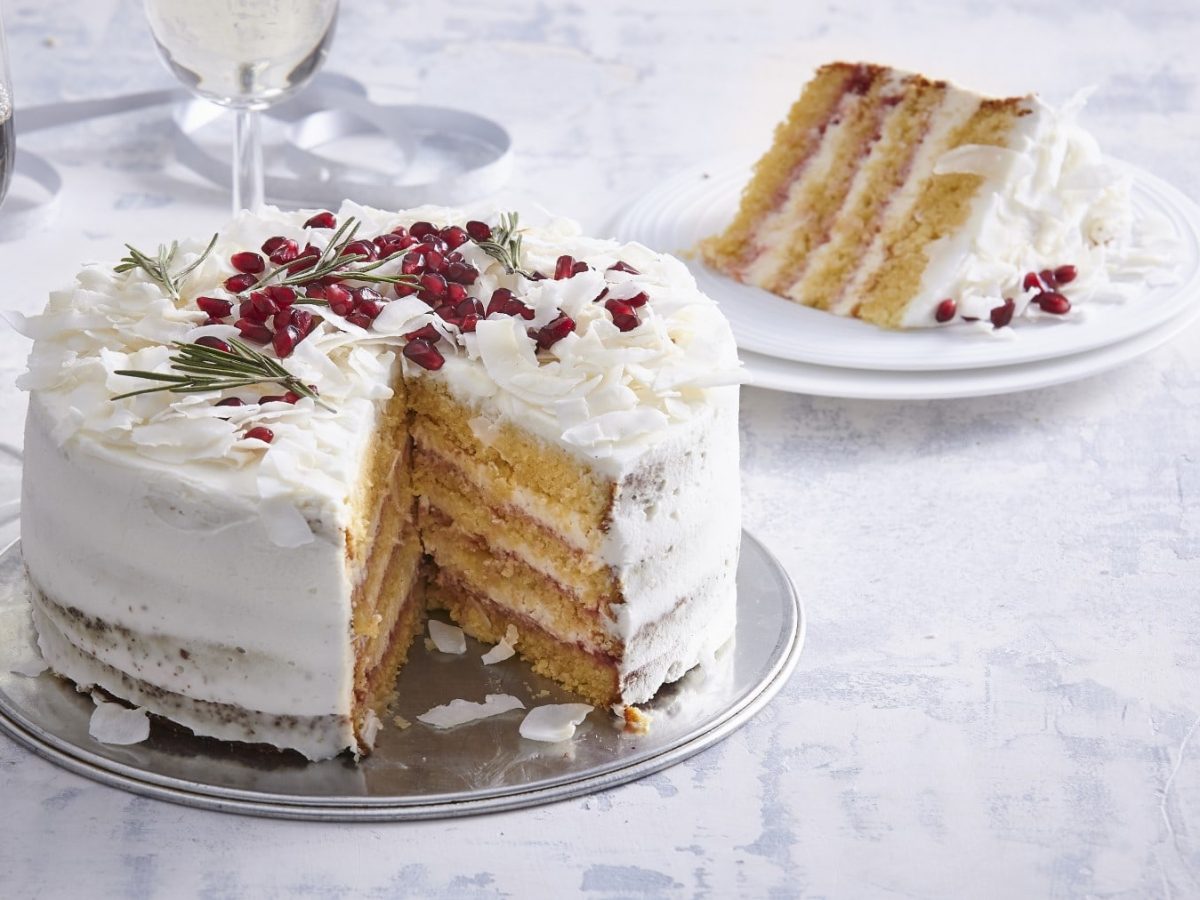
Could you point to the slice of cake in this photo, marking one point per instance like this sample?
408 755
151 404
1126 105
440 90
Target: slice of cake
249 471
909 203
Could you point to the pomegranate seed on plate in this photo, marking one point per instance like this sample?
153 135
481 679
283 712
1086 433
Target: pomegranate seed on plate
1053 302
945 310
1002 315
1065 274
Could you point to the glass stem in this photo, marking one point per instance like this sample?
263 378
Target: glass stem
247 162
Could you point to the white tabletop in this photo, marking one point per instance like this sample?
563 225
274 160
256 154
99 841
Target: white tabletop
1001 686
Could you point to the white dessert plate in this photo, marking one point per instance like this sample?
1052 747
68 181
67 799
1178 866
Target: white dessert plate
869 384
675 216
416 771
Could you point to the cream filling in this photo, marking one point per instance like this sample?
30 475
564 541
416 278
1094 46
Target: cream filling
956 108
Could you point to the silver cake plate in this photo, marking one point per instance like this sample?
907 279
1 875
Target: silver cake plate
416 772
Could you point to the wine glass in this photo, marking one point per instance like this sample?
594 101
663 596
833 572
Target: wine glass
245 55
8 136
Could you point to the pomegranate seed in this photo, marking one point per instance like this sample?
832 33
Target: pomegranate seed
238 283
449 313
424 354
1053 302
454 236
623 315
231 401
359 319
1048 278
435 261
1002 315
361 248
273 398
248 261
370 308
281 319
286 252
564 267
365 294
264 304
945 310
637 300
537 276
405 290
517 308
411 264
304 321
315 292
211 321
400 231
456 293
215 307
340 300
260 433
253 331
247 310
434 284
281 294
323 219
422 230
468 323
424 333
387 244
468 307
480 231
303 262
621 266
600 296
1065 274
463 273
291 397
501 297
1031 282
553 332
271 244
213 343
579 268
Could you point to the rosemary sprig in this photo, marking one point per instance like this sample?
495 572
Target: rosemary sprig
210 369
159 267
504 245
332 262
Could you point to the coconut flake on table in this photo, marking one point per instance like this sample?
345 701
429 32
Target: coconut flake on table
113 723
504 649
460 712
554 722
447 638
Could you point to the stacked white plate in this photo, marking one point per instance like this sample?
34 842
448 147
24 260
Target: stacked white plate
788 347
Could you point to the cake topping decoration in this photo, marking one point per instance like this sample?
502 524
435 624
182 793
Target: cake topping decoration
113 723
159 267
554 722
503 650
447 638
460 712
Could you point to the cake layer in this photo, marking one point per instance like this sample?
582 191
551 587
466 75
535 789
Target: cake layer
512 583
594 676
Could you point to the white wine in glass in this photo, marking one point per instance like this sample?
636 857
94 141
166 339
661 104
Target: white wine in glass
246 55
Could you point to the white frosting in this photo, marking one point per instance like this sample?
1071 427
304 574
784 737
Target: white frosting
189 570
1048 199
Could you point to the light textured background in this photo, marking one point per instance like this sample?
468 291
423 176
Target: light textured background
1001 687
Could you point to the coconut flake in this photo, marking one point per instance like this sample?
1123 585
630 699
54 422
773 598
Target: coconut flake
554 722
113 723
504 649
459 712
370 728
447 638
